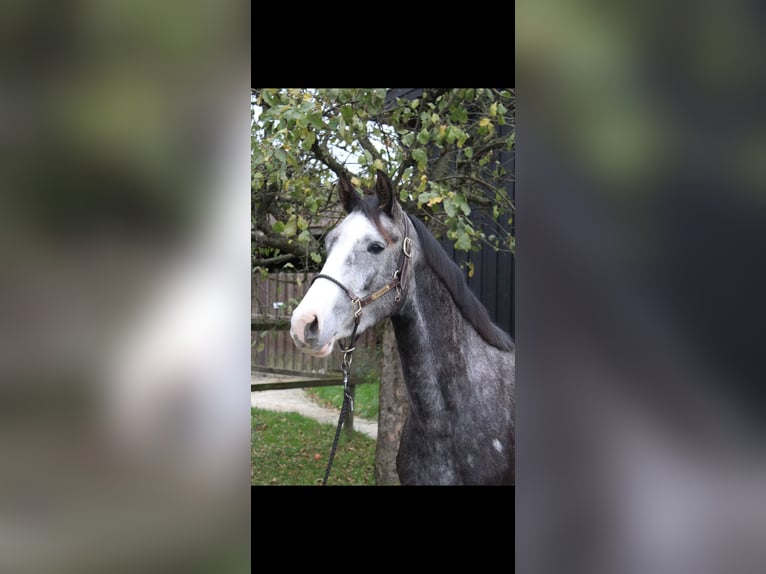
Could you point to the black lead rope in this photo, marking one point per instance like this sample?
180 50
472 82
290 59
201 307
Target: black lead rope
348 402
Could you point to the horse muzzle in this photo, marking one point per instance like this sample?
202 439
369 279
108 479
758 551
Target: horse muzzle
304 330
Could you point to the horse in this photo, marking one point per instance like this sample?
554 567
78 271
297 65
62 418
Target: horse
458 367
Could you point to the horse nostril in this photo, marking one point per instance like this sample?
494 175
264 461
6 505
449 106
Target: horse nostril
311 331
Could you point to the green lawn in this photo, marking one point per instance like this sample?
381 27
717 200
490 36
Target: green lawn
289 449
365 398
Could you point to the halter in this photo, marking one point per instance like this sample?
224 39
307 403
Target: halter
357 303
397 283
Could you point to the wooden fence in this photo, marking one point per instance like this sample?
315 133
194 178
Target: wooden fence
273 301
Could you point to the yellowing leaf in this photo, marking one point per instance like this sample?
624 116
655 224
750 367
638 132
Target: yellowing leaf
378 164
484 122
434 200
355 181
291 227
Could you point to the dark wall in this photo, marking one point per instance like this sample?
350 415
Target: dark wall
493 279
492 282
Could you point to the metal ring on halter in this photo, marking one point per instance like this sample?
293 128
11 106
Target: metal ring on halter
407 246
357 307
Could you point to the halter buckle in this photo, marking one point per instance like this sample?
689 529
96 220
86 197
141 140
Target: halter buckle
357 306
407 247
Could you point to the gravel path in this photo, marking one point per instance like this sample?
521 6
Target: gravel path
297 401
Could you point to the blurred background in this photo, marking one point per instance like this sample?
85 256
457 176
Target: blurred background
641 196
124 242
124 343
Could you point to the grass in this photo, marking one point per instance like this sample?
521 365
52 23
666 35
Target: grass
365 399
289 449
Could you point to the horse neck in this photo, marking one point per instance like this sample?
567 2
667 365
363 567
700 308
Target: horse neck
432 337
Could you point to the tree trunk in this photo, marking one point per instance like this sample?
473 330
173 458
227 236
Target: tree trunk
394 408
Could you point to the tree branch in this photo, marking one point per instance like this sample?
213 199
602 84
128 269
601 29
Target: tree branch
275 260
323 155
367 145
472 197
286 245
497 143
407 162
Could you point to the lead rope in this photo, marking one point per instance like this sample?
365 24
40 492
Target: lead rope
347 400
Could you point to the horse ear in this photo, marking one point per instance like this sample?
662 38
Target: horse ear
349 197
385 192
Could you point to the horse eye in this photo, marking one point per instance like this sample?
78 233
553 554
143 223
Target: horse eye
375 248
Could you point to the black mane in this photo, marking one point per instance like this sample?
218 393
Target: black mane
451 275
470 307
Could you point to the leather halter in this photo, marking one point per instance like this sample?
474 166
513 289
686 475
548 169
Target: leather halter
397 282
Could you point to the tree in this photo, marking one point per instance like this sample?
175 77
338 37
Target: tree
448 152
441 150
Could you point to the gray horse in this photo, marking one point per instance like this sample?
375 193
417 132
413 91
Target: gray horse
459 368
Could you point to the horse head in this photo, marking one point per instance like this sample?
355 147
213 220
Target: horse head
366 262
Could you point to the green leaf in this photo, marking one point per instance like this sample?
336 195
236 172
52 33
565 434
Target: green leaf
463 242
347 112
423 136
408 139
315 119
277 227
315 257
419 156
308 141
459 114
449 206
268 97
468 152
